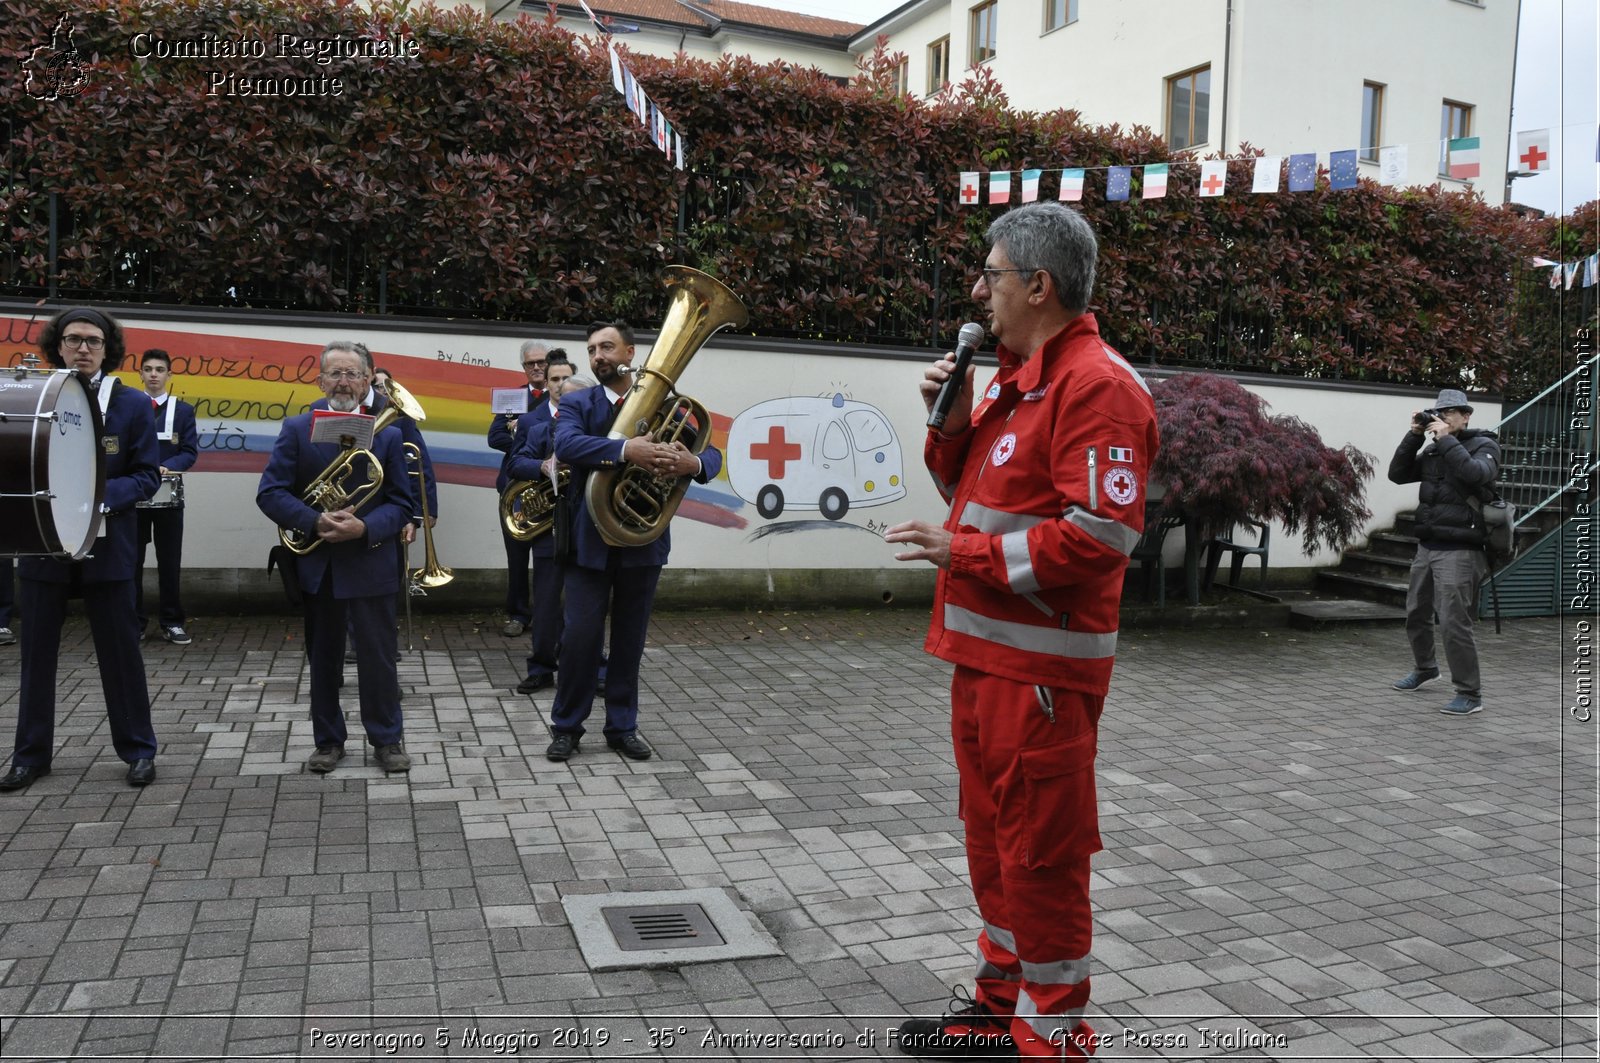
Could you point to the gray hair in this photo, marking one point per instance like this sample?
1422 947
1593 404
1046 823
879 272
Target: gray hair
533 345
1056 239
578 383
354 347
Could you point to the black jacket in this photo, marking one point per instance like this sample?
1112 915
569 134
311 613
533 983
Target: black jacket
1456 468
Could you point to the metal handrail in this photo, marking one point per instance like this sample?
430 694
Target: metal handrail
1530 409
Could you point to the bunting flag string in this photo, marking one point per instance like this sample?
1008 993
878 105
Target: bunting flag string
652 119
1564 274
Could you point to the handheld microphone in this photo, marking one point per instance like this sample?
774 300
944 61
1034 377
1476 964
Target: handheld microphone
967 342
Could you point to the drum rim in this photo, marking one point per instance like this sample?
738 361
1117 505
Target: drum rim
40 462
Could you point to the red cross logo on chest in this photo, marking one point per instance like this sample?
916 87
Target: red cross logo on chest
777 452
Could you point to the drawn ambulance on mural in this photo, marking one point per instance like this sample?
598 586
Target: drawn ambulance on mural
812 452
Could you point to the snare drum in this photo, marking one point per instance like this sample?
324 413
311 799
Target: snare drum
52 470
168 496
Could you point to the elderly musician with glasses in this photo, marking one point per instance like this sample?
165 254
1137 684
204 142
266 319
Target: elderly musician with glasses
1045 470
350 574
91 343
503 437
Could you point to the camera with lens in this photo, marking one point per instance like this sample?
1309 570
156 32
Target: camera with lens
1425 417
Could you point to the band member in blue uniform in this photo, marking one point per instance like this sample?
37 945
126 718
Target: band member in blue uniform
604 578
533 459
351 575
503 437
91 343
180 447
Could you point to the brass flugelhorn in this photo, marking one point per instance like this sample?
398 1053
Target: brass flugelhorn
431 574
631 506
528 507
332 489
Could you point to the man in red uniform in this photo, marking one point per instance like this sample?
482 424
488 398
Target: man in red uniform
1046 482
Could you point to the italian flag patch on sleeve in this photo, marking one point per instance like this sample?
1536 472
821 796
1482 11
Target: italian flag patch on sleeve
1121 453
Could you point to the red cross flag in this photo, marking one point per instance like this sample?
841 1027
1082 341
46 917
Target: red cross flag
1533 151
969 188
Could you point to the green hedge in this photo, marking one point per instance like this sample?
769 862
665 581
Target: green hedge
498 174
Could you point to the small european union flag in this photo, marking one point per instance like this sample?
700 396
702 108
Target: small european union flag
1303 172
1342 169
1119 179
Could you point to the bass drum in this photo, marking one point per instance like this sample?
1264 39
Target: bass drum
52 471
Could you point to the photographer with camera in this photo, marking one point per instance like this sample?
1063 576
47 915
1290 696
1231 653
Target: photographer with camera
1456 466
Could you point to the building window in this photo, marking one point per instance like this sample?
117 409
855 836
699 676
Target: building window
938 65
1371 120
900 77
1058 13
1455 120
1188 108
982 36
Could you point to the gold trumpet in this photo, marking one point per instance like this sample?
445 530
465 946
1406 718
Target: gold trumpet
332 489
631 505
528 507
431 574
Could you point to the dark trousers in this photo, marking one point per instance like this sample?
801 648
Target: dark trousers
518 598
371 623
628 593
545 628
165 526
7 590
109 607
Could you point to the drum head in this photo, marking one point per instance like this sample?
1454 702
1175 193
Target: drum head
75 477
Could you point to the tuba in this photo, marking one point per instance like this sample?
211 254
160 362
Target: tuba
631 506
332 490
528 507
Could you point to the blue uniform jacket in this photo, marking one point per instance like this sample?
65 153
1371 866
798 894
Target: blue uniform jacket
132 475
360 568
409 433
532 447
181 452
581 441
501 437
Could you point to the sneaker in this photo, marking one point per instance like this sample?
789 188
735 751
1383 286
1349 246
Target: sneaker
176 635
1414 679
393 758
7 636
325 759
514 628
968 1029
1463 705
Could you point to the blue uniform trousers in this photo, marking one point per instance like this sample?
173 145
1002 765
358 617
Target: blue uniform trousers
165 527
629 594
518 606
371 621
109 607
548 617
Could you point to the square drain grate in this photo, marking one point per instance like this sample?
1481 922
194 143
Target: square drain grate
661 926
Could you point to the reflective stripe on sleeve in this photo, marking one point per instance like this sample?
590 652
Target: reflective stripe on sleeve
1050 641
997 521
1019 563
1113 533
1118 360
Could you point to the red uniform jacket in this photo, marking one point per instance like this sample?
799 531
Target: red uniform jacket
1047 492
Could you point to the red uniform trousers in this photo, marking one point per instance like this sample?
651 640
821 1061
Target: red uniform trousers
1026 760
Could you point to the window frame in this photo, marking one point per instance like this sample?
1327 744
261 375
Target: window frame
1169 85
1369 152
1069 13
901 75
991 8
938 64
1448 108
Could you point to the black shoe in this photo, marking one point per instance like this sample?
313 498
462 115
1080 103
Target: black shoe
969 1030
562 745
142 772
632 745
535 682
21 776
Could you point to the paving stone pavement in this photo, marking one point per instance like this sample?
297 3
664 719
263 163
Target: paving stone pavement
1299 863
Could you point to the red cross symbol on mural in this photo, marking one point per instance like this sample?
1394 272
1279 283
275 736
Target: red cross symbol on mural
1211 184
1533 157
777 452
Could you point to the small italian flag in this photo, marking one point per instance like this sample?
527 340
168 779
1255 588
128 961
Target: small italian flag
1030 185
1155 185
1071 185
1000 187
1464 158
1120 453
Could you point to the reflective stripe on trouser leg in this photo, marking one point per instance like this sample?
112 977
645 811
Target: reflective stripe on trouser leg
1028 803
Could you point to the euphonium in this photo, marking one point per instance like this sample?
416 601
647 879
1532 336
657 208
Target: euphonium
332 490
528 507
630 505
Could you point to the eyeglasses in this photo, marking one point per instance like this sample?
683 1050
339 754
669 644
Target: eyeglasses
88 343
340 375
987 270
530 365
